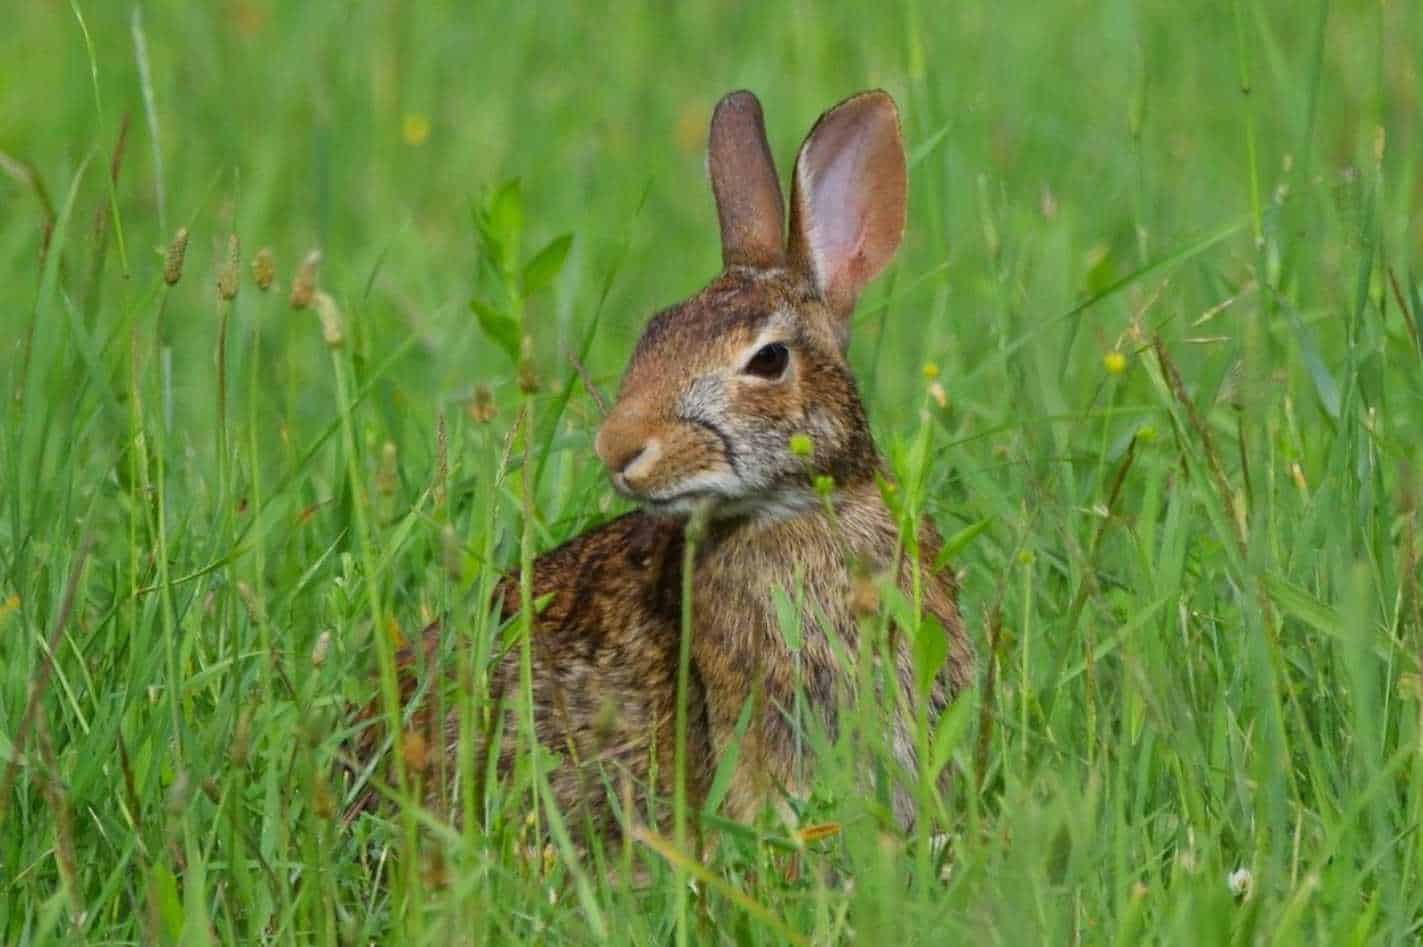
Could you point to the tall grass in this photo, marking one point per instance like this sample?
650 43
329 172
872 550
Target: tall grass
1164 259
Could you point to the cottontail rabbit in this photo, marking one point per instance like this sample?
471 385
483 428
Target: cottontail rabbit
715 390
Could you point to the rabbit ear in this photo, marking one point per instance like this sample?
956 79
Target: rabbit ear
848 199
748 193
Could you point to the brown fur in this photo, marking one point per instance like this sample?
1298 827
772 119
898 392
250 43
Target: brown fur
695 429
604 661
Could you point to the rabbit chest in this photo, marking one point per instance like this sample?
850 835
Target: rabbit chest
794 677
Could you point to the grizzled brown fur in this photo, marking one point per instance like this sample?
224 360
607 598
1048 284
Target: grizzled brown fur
714 393
605 675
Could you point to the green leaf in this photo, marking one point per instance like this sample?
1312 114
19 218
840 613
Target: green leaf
788 617
952 727
1325 387
501 327
1304 606
926 147
8 754
726 767
163 897
1101 271
931 648
506 214
750 833
959 541
540 271
1170 261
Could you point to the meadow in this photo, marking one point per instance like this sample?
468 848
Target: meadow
1150 358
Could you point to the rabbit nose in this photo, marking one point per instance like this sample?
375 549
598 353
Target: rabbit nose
626 451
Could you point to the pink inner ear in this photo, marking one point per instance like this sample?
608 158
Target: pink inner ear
838 221
848 211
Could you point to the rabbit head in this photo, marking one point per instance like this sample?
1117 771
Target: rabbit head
719 385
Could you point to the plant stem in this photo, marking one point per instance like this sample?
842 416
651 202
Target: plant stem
693 533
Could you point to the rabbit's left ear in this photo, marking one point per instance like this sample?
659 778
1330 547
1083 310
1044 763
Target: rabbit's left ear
749 205
848 199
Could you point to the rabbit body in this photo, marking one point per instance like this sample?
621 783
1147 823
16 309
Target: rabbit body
717 391
604 660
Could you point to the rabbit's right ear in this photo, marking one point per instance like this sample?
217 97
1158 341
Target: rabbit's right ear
848 199
748 193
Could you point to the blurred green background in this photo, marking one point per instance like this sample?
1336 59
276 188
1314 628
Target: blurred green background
1191 573
368 129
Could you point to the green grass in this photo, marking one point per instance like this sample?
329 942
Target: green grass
1193 583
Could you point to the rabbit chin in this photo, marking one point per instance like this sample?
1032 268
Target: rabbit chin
727 502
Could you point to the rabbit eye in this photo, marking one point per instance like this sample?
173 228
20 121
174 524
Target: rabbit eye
769 361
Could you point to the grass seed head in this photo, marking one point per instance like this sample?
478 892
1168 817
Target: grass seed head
263 269
173 258
481 408
333 330
321 649
304 283
227 281
1241 883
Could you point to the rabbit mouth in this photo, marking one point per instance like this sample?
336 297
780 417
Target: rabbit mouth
683 504
720 505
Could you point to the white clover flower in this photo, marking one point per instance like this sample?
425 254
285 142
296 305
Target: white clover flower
1241 882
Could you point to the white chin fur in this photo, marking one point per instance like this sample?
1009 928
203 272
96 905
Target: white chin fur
780 504
728 504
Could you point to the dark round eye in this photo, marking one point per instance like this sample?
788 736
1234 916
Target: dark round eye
769 361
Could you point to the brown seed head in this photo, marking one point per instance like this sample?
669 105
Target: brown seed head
263 269
227 281
481 407
304 283
173 259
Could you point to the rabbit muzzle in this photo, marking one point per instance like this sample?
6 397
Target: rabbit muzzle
667 464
